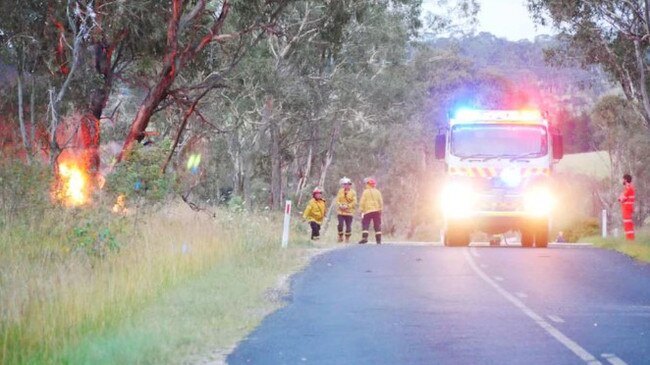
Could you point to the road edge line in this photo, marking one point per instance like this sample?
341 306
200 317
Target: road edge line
554 332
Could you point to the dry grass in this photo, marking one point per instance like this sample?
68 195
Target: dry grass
59 304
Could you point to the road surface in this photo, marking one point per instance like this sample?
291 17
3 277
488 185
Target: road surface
401 304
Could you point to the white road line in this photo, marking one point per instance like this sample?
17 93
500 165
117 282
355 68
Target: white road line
474 252
555 318
554 332
498 278
521 295
613 359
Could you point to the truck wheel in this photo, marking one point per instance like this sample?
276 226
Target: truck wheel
456 237
527 237
541 236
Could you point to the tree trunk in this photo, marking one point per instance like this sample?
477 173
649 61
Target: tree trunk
164 81
645 100
173 62
54 148
21 116
276 158
234 150
90 125
149 105
302 182
32 118
329 153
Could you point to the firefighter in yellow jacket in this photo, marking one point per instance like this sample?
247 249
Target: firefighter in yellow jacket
346 203
315 213
371 205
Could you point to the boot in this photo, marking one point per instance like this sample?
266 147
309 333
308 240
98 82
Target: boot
378 238
340 238
364 238
347 238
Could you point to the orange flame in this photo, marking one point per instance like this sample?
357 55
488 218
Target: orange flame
120 205
73 184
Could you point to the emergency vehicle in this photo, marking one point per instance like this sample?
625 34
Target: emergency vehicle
498 174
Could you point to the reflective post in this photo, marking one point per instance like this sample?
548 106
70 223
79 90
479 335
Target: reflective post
287 220
604 223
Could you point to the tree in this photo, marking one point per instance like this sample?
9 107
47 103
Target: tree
617 125
612 34
189 32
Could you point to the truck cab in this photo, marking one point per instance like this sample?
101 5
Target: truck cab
499 165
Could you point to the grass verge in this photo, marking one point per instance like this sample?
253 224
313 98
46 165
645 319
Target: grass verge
184 283
638 249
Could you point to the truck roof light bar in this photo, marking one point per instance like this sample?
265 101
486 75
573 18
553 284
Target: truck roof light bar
471 115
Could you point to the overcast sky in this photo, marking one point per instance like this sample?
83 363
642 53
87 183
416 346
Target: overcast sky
503 18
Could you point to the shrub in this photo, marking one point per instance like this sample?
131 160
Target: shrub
582 228
140 175
23 190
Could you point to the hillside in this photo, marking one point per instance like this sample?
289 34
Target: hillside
595 164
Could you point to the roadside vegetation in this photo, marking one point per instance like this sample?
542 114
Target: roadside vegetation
185 126
178 282
638 249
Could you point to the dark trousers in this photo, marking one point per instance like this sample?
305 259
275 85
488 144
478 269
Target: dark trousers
345 220
315 230
375 217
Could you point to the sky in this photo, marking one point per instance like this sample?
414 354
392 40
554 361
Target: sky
504 18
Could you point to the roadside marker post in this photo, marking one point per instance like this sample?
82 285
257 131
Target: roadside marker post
287 220
604 223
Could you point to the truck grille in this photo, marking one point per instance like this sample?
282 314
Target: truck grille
500 203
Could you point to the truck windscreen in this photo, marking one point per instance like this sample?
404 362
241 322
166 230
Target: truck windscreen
499 140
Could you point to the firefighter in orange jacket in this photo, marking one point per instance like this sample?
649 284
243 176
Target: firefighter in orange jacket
346 202
627 207
315 213
371 205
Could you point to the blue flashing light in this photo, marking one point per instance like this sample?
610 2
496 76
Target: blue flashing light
467 115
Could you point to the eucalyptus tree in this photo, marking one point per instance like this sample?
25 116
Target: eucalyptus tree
612 34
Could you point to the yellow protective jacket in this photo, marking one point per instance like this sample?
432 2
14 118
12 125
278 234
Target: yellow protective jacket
346 202
371 201
315 211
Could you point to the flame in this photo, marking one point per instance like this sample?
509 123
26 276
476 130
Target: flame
73 187
120 205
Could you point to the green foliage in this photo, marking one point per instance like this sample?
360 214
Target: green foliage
237 204
609 34
625 137
638 249
582 228
96 238
140 175
24 191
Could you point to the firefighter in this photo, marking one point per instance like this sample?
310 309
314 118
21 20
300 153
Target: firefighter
371 205
315 213
627 206
346 202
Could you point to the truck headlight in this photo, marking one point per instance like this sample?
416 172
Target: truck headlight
539 202
458 199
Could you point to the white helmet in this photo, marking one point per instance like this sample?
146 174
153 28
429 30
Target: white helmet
345 181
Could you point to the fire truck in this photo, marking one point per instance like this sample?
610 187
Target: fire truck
498 165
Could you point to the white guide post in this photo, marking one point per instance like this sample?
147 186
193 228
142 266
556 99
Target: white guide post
604 223
287 220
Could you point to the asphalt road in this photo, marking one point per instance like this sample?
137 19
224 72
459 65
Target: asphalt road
398 304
